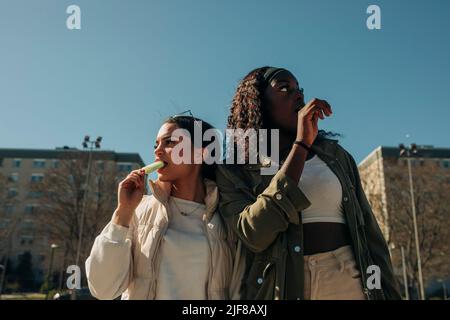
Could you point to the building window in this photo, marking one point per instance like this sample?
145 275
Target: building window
1 162
27 225
445 164
55 164
26 240
14 177
34 194
99 195
30 208
9 209
125 167
38 163
37 177
12 192
17 163
4 223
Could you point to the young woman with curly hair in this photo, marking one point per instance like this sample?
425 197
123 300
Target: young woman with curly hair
308 230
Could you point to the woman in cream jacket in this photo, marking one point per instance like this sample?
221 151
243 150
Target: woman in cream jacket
171 244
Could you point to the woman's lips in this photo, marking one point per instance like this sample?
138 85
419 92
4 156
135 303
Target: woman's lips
165 166
165 162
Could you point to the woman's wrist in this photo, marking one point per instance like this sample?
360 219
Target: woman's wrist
122 216
303 144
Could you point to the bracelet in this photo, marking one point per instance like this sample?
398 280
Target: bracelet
304 145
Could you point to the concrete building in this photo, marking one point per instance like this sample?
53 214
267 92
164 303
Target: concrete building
23 168
385 179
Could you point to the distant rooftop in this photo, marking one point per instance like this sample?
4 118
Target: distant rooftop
424 151
62 152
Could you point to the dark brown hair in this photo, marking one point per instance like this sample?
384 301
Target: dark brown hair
188 123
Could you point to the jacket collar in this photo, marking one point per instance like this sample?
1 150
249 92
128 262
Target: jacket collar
161 191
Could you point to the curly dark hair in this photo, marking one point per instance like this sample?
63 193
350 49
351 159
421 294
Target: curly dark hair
248 106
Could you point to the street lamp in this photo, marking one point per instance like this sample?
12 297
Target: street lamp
53 247
87 144
408 153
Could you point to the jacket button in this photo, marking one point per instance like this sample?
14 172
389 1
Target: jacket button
278 196
297 248
260 280
345 199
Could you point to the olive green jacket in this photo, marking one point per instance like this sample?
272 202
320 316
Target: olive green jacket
264 211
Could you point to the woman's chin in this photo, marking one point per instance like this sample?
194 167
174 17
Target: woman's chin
164 178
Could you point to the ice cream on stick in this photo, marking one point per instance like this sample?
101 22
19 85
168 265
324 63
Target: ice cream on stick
153 167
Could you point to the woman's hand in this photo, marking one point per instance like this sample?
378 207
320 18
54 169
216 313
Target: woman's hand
308 117
131 191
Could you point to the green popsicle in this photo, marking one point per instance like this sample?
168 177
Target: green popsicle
153 167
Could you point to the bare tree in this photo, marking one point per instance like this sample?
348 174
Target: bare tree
61 203
7 218
9 222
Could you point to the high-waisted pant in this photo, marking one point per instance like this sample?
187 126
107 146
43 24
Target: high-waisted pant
333 276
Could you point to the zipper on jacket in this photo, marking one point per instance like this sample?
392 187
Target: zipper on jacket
156 256
208 285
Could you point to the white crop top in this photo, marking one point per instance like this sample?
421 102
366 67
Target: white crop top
323 189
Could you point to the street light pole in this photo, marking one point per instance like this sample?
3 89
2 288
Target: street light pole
95 143
406 151
52 253
405 278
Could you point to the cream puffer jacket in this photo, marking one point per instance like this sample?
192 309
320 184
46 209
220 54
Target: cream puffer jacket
125 260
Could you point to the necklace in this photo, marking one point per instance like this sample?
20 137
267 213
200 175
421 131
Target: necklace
186 213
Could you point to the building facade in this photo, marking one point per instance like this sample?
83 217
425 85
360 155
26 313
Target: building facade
386 181
22 228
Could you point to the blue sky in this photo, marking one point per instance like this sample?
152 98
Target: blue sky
135 62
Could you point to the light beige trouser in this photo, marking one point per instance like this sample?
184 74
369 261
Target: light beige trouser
333 276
